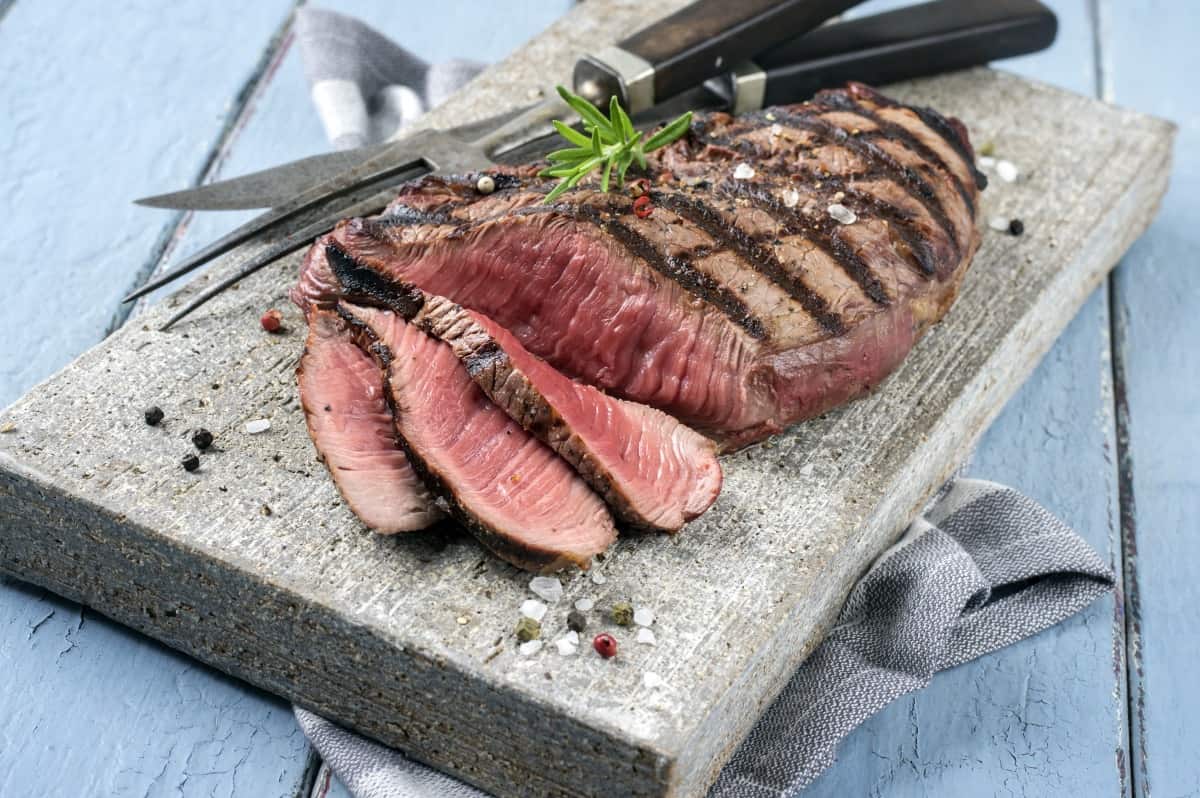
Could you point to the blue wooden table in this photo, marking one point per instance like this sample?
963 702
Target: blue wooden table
100 106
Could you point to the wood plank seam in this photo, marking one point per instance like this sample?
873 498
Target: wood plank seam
1135 685
242 108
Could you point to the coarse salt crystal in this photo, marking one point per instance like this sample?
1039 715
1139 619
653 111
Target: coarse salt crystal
842 214
652 680
986 162
566 647
533 608
598 578
1007 171
776 130
791 198
838 197
546 587
646 637
999 224
585 604
258 425
744 171
806 470
643 616
530 648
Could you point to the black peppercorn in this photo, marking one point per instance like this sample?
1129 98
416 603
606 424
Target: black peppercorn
1016 227
202 438
154 415
575 621
191 462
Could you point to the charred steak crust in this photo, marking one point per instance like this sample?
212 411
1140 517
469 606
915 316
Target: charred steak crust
739 305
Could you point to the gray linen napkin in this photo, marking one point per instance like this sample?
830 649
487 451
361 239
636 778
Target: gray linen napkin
983 568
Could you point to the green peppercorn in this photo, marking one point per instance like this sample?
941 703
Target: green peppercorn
622 613
575 621
528 629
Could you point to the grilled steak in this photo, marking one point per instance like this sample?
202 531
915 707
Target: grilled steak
341 389
653 472
514 493
792 258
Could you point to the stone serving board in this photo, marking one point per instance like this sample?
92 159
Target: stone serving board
255 566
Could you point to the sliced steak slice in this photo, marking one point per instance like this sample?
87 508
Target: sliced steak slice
510 490
342 392
748 299
653 472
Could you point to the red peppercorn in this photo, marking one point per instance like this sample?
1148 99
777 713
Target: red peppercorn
272 321
605 645
642 207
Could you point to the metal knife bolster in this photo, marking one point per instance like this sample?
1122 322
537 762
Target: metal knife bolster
702 40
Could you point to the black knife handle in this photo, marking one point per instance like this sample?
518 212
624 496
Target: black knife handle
911 42
692 45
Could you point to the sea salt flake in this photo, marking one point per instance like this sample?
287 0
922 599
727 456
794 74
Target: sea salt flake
999 224
572 636
258 425
806 470
1007 171
530 648
646 637
744 171
987 162
585 604
643 616
652 680
566 647
791 198
532 608
598 578
546 587
842 214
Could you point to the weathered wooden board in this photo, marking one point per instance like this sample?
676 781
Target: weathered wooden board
305 603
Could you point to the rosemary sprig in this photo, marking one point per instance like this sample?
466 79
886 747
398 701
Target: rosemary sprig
608 142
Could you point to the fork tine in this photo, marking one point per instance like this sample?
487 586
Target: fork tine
345 187
277 249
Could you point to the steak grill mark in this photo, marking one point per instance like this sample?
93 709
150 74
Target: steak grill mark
820 230
897 132
728 235
863 203
914 184
678 268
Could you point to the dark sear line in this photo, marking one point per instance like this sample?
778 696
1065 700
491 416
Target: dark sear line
726 233
893 130
819 229
862 202
942 126
678 268
905 177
